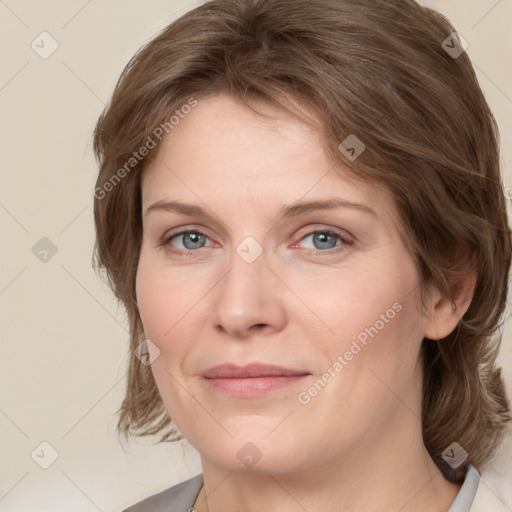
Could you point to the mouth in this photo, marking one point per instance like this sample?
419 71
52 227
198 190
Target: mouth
251 380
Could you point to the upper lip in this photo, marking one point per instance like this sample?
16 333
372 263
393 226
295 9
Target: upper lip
233 371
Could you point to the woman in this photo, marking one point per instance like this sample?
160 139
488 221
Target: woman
300 206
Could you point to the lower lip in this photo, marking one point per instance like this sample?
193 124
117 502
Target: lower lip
253 386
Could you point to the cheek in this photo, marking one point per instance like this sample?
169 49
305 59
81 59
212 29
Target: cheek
173 306
155 302
169 310
375 326
365 299
168 298
166 308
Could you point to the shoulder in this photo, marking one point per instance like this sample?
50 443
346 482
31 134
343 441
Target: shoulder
180 497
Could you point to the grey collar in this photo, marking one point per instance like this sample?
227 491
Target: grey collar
466 496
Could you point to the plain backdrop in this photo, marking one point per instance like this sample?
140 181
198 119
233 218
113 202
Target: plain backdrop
64 340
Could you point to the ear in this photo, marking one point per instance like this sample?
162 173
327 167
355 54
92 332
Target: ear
442 318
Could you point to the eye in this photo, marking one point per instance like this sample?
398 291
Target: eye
321 240
324 240
186 241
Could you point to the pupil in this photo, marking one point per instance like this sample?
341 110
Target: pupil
324 241
193 240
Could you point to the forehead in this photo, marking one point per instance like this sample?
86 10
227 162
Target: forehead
224 150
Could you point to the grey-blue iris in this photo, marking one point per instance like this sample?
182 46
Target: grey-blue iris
325 241
197 240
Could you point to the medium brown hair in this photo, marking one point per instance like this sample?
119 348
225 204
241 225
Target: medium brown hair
371 68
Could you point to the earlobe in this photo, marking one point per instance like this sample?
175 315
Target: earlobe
443 315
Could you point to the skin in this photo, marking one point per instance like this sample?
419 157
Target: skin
357 444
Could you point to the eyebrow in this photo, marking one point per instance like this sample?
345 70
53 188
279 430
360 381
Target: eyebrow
286 211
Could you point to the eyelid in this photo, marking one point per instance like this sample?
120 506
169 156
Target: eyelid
185 228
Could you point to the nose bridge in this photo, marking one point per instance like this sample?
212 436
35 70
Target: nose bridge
247 296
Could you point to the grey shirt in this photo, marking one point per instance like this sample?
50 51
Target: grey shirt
181 497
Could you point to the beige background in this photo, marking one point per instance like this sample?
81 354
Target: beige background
63 338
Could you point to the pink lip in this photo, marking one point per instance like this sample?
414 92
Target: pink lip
251 380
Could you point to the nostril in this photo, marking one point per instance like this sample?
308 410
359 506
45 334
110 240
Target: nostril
259 326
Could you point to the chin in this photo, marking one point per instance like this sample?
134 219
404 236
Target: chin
252 449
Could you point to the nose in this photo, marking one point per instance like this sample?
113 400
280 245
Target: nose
249 300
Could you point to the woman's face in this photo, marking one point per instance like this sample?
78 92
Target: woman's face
257 250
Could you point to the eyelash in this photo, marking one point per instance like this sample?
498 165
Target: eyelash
345 241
